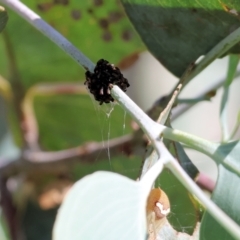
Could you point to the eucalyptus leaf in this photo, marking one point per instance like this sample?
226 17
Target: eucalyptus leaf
226 194
103 205
90 27
3 18
179 32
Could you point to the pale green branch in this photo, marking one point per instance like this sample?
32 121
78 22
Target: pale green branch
232 67
236 127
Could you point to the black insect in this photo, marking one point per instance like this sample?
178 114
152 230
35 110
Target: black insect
99 82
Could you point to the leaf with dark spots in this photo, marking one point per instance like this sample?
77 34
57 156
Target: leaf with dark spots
76 14
78 21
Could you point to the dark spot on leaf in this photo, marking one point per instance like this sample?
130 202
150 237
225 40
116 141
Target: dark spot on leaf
98 2
44 7
63 2
103 23
90 11
127 35
107 36
115 16
76 14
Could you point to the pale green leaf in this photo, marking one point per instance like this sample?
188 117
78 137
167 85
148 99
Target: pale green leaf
102 205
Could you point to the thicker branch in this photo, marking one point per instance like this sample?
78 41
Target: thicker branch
59 161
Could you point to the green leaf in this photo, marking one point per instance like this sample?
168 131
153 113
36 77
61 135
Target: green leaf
36 222
179 32
226 195
103 205
3 18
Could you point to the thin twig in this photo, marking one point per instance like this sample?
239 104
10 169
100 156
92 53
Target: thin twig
58 161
